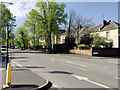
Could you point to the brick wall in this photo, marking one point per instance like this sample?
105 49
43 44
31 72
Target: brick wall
87 52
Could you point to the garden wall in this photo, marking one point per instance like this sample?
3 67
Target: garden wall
98 52
87 52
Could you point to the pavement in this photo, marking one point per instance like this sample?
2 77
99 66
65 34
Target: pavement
25 79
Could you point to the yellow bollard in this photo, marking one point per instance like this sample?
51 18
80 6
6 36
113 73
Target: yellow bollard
8 77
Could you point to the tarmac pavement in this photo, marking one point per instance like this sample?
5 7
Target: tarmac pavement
24 79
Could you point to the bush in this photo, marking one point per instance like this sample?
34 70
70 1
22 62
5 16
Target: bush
38 47
83 46
86 39
69 44
98 41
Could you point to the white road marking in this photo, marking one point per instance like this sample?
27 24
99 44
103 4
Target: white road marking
13 65
55 86
75 67
17 64
52 59
68 62
87 79
117 78
83 65
113 62
2 69
76 64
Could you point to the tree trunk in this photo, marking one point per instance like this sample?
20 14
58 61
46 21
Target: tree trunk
49 43
34 39
23 40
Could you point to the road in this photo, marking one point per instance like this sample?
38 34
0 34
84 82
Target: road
68 70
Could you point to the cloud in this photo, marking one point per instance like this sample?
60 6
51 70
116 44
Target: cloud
20 7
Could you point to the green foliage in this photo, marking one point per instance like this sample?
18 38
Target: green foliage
53 16
12 40
83 46
22 37
86 39
7 18
69 43
97 41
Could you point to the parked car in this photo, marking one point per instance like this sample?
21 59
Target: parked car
12 47
22 48
3 48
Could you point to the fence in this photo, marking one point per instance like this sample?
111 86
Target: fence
106 52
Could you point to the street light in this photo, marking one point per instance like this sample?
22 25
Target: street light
7 31
8 66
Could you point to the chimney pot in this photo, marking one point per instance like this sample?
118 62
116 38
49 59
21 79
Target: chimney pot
104 23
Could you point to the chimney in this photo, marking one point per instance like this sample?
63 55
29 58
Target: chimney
109 21
104 23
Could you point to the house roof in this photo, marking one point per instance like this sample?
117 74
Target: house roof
111 25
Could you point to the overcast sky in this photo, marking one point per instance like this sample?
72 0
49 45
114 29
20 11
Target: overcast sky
110 10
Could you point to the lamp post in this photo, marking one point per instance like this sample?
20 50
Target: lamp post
7 37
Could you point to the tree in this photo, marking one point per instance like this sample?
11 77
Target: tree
82 24
86 39
7 18
53 16
22 36
11 41
79 24
31 23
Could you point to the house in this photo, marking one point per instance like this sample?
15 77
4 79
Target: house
56 39
109 30
61 37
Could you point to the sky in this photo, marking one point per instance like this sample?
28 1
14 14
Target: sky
96 9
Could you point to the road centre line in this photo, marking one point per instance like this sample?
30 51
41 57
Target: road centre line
87 79
75 67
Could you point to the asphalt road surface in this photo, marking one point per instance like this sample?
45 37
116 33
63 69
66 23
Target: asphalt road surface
68 70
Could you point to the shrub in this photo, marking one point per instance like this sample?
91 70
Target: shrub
75 47
38 47
86 39
83 46
69 44
98 41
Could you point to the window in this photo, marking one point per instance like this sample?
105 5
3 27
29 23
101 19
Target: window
107 34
